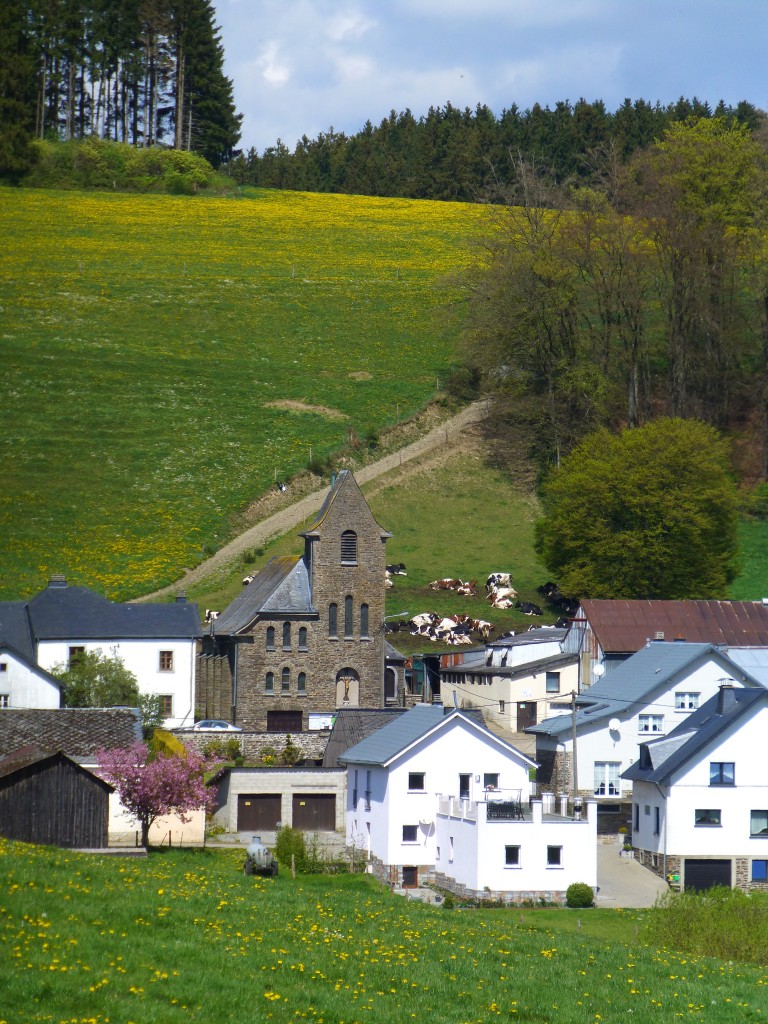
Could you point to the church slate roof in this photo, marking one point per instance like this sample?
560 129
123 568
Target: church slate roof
280 588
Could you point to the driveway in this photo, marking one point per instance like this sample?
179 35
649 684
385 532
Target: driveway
622 882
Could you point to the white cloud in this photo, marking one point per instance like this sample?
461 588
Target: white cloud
348 25
273 68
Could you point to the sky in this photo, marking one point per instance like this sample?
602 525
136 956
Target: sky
301 67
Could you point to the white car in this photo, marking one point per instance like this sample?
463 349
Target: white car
214 725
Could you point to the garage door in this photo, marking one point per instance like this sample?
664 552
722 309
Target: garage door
314 812
258 811
703 874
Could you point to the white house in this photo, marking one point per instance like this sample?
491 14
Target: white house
24 684
646 696
514 683
156 642
434 796
700 795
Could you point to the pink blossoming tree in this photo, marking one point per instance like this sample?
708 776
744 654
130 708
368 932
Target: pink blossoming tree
149 789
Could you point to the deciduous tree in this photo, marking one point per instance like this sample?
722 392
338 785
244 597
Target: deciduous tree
649 513
151 788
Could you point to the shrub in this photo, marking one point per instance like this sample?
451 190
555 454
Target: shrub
579 894
268 756
291 753
291 842
232 749
214 749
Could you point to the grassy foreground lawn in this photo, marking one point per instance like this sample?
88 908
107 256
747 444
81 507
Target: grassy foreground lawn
186 936
163 357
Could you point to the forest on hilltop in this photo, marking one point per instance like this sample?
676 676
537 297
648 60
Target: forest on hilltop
455 154
144 72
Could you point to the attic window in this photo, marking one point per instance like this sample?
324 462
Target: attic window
349 548
3 666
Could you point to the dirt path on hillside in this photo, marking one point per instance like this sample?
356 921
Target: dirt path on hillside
444 437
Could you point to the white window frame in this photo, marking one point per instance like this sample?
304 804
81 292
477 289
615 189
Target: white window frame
606 778
650 722
686 700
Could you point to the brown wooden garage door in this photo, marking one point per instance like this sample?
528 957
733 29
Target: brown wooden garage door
703 874
258 811
314 812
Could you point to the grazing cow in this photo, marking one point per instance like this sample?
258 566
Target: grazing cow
397 570
281 486
249 579
211 616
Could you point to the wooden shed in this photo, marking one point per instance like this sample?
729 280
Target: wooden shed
51 799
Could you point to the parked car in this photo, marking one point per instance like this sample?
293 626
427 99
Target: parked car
214 725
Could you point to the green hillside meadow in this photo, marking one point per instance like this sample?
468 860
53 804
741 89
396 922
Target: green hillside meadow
158 353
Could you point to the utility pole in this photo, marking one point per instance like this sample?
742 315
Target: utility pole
574 759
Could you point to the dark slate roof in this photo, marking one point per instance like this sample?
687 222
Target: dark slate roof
624 626
635 680
386 743
556 661
536 635
353 725
281 588
15 627
77 732
392 653
61 612
659 759
30 664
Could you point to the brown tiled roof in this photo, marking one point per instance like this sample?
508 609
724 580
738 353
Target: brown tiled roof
77 732
624 626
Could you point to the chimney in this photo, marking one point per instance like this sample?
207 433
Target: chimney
57 580
659 635
726 697
679 639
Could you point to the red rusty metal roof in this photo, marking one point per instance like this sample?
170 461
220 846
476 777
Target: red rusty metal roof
622 626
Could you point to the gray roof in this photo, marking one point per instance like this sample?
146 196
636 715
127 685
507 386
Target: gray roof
61 612
353 725
512 671
635 680
384 745
659 759
281 588
343 479
535 635
753 660
77 732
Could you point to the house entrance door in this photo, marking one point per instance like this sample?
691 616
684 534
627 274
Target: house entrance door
526 714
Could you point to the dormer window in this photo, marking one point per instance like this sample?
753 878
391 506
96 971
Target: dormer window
349 548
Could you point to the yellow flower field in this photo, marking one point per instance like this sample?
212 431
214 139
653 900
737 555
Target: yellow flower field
146 340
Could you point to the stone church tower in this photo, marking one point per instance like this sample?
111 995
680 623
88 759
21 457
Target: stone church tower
307 634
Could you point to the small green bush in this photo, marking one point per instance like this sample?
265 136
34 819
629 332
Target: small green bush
291 753
232 749
291 841
579 894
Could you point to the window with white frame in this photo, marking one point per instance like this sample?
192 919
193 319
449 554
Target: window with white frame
416 782
686 701
554 856
512 856
410 833
722 773
5 700
758 823
607 778
491 780
650 723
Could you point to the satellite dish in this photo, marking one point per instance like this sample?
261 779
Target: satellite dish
614 725
598 670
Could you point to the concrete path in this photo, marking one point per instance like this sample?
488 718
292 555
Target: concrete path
296 514
623 882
